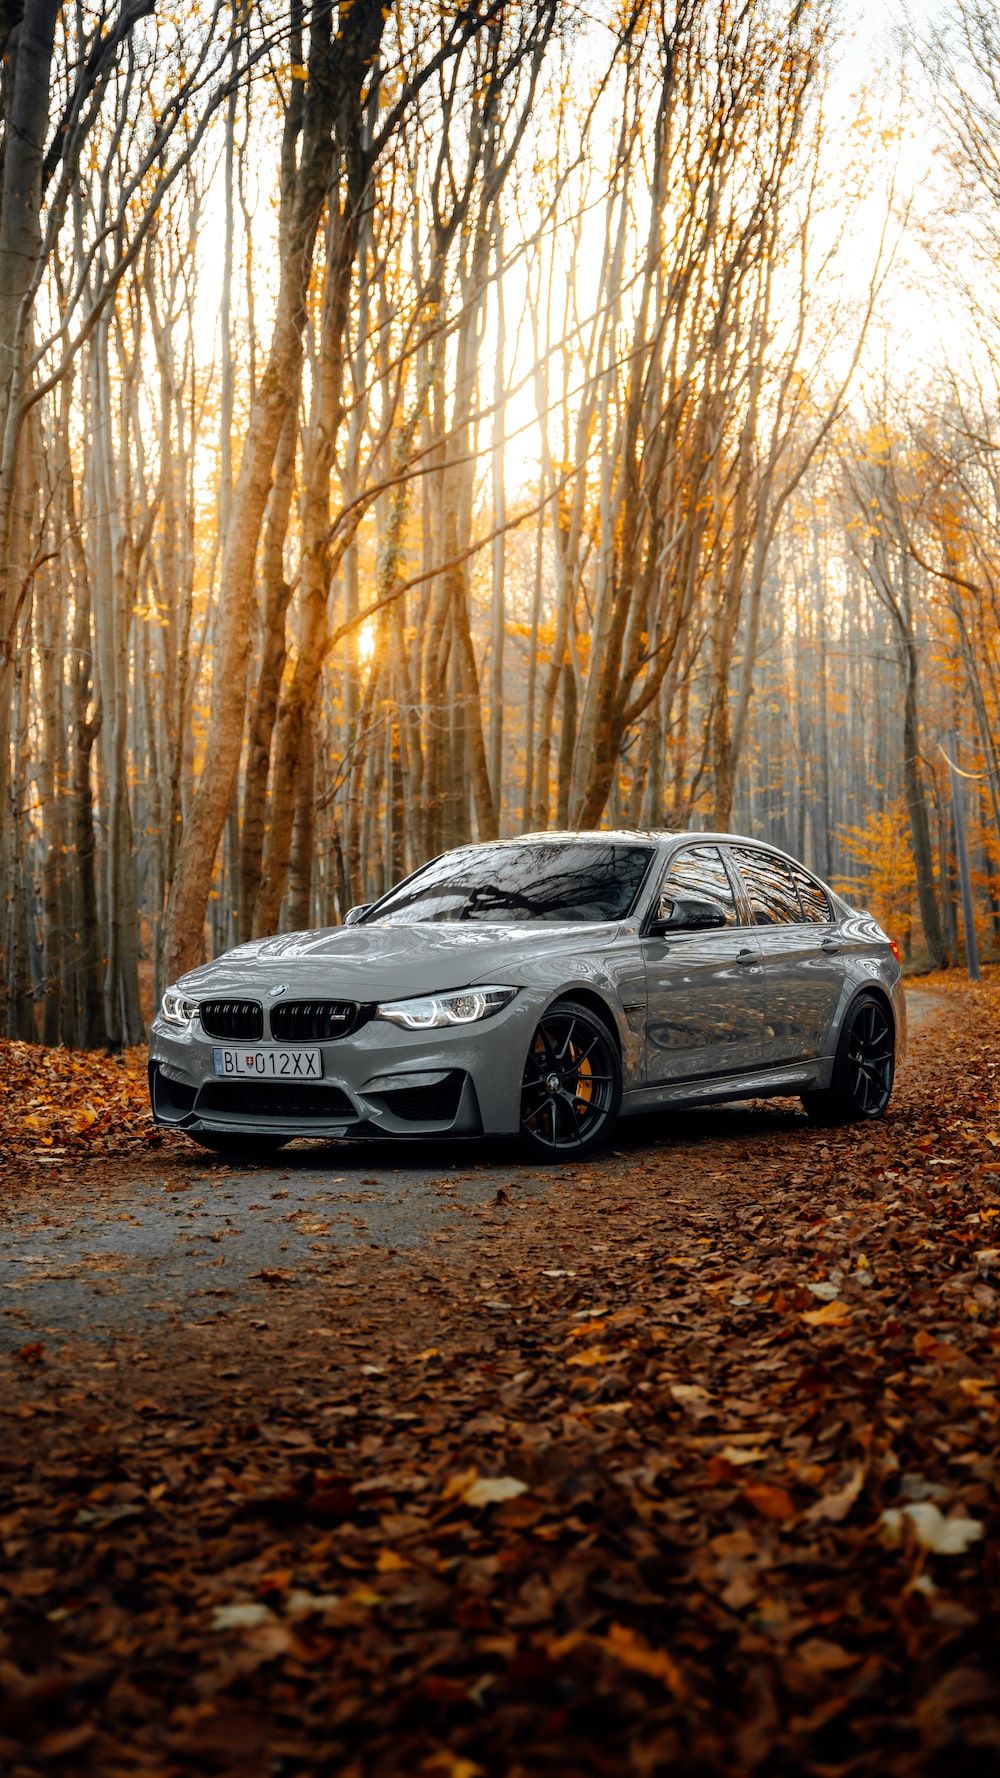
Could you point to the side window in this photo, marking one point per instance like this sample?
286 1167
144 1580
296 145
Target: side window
770 887
699 870
812 895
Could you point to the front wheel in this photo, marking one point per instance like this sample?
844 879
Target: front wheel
864 1068
571 1092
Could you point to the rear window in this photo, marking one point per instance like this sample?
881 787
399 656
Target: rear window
812 896
771 891
537 881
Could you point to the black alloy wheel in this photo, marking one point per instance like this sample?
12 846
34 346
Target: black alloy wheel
870 1059
864 1069
572 1087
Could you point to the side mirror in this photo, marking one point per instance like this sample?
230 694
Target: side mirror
353 915
686 913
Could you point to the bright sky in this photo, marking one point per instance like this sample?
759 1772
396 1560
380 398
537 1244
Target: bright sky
917 325
916 321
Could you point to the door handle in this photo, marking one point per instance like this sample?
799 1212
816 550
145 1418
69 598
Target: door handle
746 956
830 946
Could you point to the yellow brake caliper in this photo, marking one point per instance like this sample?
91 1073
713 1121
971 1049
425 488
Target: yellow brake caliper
584 1085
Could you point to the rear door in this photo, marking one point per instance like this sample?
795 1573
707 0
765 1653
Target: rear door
704 990
800 952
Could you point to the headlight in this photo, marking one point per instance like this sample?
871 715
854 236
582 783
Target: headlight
429 1010
175 1009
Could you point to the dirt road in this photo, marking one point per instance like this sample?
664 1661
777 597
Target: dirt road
128 1248
683 1460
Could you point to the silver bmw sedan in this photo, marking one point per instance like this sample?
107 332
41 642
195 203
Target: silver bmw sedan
541 987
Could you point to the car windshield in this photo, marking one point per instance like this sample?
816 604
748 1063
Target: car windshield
572 881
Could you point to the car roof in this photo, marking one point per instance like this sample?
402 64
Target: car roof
601 835
629 836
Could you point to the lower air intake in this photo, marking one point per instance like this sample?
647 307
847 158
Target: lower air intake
171 1097
275 1098
437 1104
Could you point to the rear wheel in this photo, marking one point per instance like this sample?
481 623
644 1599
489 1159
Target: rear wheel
239 1146
864 1068
571 1092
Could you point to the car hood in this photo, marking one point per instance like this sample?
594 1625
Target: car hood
371 963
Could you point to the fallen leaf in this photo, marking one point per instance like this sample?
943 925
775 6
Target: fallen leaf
628 1647
820 1656
590 1356
770 1500
835 1314
66 1741
685 1392
738 1454
450 1765
835 1507
926 1345
389 1562
364 1596
243 1615
980 1389
933 1532
298 1603
826 1291
490 1490
454 1488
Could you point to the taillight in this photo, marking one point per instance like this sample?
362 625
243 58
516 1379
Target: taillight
894 948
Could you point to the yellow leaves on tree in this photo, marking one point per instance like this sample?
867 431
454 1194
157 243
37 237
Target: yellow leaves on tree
886 879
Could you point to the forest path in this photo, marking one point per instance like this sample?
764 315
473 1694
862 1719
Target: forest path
683 1460
131 1246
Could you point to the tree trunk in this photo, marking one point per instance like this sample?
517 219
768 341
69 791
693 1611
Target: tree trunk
277 594
29 55
916 804
357 41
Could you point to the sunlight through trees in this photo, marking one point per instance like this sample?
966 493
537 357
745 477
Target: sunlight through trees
423 422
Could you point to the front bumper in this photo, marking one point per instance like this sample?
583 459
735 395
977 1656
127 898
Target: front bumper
379 1082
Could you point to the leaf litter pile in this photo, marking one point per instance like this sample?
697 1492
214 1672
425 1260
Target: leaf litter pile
58 1105
683 1461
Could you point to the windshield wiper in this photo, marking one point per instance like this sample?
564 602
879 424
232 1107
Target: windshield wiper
490 898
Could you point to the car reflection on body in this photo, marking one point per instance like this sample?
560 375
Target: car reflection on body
540 987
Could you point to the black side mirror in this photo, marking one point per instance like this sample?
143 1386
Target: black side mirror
686 913
353 915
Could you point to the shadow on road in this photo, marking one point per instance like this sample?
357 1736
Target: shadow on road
752 1119
719 1123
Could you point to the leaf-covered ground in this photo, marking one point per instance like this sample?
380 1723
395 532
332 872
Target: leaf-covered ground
59 1105
680 1462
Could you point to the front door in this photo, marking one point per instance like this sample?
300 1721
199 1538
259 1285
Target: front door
704 990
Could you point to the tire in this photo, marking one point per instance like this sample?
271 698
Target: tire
863 1070
240 1147
571 1090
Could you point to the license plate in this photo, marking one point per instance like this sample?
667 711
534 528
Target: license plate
269 1064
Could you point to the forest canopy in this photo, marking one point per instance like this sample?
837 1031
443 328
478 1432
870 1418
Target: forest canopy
423 422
